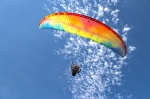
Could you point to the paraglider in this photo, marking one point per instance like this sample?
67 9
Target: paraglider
75 69
86 27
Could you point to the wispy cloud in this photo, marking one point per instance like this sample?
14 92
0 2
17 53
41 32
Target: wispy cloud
114 14
102 68
131 48
125 30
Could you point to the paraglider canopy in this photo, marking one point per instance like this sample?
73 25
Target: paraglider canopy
86 27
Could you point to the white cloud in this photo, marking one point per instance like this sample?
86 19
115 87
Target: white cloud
125 31
114 14
126 28
107 9
131 48
100 11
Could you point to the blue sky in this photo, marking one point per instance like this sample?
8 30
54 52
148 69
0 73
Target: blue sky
27 69
137 80
30 67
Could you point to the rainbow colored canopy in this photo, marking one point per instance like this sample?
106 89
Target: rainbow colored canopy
86 27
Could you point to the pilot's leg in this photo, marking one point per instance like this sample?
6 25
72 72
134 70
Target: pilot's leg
73 73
